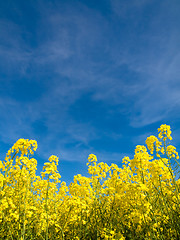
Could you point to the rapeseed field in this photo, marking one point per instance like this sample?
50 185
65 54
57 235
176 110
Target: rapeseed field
140 200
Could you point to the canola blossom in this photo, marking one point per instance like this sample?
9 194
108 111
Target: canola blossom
140 200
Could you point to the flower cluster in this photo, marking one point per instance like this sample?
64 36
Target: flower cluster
140 200
164 132
153 144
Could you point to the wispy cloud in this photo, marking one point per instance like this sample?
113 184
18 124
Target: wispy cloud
15 55
155 57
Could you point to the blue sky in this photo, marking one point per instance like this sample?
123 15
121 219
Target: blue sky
85 77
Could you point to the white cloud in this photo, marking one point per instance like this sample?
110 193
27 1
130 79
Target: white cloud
155 57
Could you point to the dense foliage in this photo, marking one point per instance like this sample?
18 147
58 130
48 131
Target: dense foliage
141 200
